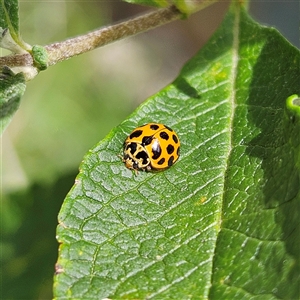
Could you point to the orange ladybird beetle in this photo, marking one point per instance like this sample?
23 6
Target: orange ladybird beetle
152 146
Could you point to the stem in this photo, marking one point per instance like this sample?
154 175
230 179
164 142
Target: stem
72 47
64 50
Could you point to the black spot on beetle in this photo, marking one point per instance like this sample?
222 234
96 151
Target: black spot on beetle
171 161
136 134
142 155
131 147
154 126
161 161
164 135
175 139
156 150
170 149
147 140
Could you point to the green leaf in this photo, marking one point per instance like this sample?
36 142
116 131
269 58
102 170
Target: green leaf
12 87
187 7
9 15
155 3
9 20
223 222
28 249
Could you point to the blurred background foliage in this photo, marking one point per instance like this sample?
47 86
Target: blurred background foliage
71 106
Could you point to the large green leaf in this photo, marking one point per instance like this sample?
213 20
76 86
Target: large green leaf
223 222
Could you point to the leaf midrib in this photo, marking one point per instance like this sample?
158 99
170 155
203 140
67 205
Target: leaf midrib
232 101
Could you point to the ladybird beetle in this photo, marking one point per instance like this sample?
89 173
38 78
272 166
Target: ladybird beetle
152 146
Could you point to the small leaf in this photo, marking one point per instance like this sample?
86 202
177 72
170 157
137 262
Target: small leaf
9 15
187 7
10 37
155 3
7 42
223 222
12 87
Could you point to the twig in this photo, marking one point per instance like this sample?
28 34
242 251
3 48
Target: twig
66 49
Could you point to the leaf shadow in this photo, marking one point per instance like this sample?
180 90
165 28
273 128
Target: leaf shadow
276 76
28 263
184 87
